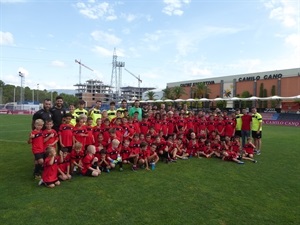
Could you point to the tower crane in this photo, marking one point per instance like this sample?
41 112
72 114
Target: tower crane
138 78
81 64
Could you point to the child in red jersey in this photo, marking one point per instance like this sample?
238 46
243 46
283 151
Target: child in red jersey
97 130
89 128
228 153
65 133
181 149
105 129
230 127
202 149
89 163
143 156
144 125
126 153
216 148
113 155
104 164
249 148
49 177
50 135
80 132
76 158
37 146
193 146
153 157
64 165
119 129
172 148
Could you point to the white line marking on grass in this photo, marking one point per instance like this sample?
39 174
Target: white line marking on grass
12 141
15 131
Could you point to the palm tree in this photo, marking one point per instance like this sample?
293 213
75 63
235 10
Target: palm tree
151 95
167 93
201 90
178 91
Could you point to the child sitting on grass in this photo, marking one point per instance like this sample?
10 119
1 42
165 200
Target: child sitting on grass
89 162
64 165
49 177
249 148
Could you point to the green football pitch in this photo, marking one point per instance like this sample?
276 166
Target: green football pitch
194 191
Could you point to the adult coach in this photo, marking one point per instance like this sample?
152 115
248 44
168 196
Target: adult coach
58 112
123 107
95 112
256 129
136 108
43 113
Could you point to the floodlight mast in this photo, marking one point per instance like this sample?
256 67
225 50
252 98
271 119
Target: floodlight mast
138 78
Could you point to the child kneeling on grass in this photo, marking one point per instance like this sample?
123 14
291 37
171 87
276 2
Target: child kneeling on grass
49 177
64 165
89 163
249 148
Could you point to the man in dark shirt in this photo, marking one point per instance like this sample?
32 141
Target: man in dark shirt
58 112
43 113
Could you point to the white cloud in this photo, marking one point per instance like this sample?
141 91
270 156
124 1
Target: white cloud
293 41
285 12
97 10
107 52
6 38
174 7
129 17
106 37
58 63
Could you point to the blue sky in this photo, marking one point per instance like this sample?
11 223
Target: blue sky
160 40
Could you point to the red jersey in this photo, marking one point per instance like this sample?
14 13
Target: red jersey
171 125
246 121
63 166
119 132
78 132
37 142
112 153
76 157
229 128
66 134
190 123
136 125
192 147
96 132
135 146
144 125
51 140
210 126
157 125
90 138
164 127
249 149
50 171
144 154
220 127
87 163
236 146
125 152
105 133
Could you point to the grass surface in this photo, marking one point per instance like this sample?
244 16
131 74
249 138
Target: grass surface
195 191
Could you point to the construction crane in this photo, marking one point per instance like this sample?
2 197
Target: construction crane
81 64
138 78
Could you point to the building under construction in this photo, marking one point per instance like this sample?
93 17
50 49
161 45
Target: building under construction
93 90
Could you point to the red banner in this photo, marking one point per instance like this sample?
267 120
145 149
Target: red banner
282 123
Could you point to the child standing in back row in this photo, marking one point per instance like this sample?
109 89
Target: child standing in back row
37 146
